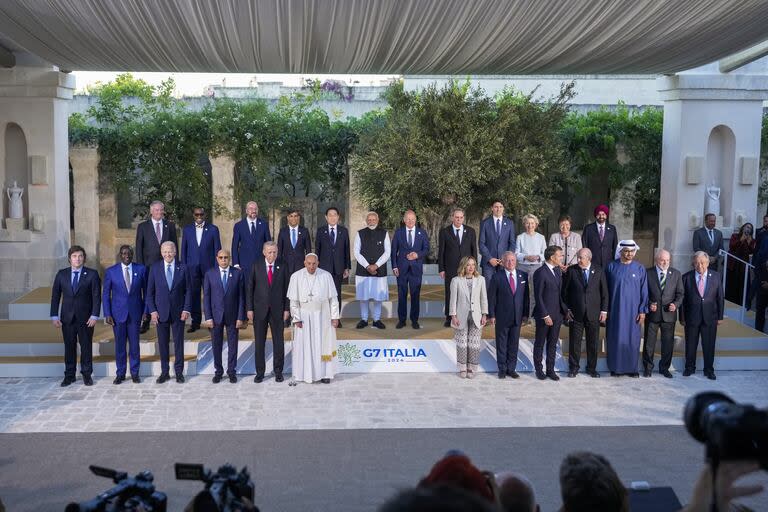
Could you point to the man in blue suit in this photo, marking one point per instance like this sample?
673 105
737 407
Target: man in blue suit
497 236
168 302
293 243
78 289
410 245
200 241
123 299
224 305
333 253
701 312
508 309
549 310
248 239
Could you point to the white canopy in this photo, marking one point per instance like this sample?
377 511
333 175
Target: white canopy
383 36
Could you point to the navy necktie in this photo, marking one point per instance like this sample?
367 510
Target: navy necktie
224 279
75 279
498 227
333 236
410 238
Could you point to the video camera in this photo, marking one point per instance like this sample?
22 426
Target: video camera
127 496
224 490
729 430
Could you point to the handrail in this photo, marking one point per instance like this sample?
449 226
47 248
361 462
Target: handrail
748 266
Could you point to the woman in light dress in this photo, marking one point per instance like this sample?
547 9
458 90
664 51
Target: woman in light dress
567 240
468 310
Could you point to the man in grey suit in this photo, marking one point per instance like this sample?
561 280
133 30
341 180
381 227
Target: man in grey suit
665 295
709 240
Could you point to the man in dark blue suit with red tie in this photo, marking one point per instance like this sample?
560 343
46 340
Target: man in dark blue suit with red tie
549 310
124 303
497 236
410 245
224 305
508 309
332 242
200 242
78 289
248 239
168 297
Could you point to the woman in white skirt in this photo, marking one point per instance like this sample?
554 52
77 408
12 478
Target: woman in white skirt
468 310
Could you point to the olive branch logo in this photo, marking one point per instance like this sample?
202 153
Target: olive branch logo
348 354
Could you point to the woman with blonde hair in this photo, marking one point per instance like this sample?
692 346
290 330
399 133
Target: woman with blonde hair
530 250
468 310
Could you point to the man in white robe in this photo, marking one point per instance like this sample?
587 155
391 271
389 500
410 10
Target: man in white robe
315 316
372 250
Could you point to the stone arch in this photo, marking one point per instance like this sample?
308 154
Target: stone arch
720 168
16 165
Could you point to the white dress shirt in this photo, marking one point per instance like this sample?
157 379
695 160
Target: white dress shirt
199 232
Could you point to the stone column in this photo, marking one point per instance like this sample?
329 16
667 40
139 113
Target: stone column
712 125
225 211
355 220
85 173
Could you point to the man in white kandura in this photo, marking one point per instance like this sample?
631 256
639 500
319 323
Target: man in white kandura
372 250
315 316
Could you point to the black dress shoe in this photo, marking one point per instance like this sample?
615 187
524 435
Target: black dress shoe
233 379
118 380
67 381
144 327
87 380
216 379
541 376
415 325
136 379
447 323
180 378
502 375
514 374
635 375
379 324
164 377
553 376
399 325
593 374
193 328
279 377
325 381
572 373
614 374
646 373
362 324
258 379
711 376
666 373
688 373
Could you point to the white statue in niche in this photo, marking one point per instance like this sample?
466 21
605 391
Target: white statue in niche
712 200
15 207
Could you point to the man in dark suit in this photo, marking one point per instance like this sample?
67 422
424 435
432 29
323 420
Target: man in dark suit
665 296
585 292
508 309
200 241
454 242
549 310
124 303
293 243
77 289
224 306
410 245
497 236
761 232
701 313
149 235
601 238
249 235
169 294
332 242
267 305
709 239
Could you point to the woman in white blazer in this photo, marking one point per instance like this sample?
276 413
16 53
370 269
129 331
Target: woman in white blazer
468 310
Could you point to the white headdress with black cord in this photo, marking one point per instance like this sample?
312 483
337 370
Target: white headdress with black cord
626 244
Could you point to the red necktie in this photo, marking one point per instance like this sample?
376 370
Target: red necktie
512 282
269 275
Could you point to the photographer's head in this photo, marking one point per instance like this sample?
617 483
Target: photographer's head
589 483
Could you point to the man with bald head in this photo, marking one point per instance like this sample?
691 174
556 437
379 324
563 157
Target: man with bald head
665 295
248 239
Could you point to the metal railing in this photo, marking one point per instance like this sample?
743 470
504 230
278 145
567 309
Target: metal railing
747 268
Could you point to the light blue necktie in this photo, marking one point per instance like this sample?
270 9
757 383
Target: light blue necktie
169 276
293 238
224 279
586 276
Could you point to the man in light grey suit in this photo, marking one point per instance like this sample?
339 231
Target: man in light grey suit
665 295
709 240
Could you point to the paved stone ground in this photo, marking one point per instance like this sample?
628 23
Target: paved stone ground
399 401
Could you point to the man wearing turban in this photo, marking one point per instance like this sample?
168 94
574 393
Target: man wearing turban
601 238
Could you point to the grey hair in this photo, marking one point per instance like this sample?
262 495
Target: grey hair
587 251
168 244
157 203
700 254
503 256
268 244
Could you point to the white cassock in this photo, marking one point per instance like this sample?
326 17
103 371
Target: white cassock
371 287
314 303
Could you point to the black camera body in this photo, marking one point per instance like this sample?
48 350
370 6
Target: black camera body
224 490
729 430
127 496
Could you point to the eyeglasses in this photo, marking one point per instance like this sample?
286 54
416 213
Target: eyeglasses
222 257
